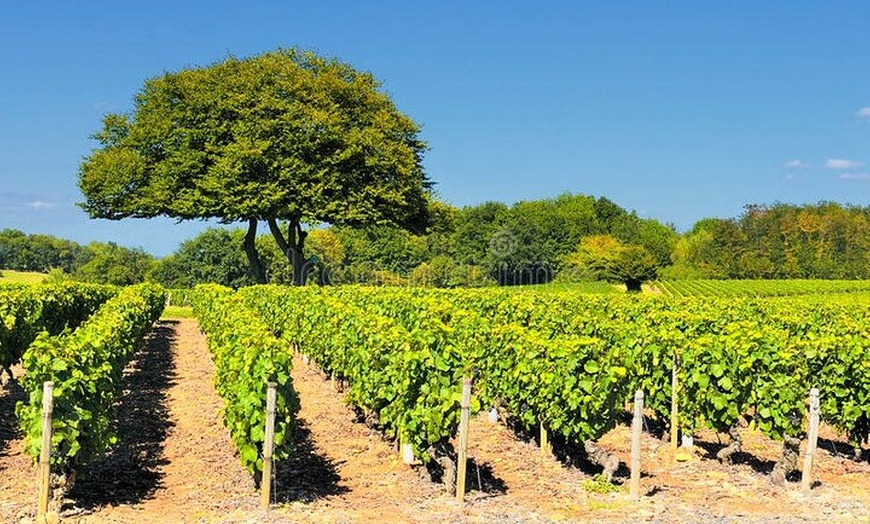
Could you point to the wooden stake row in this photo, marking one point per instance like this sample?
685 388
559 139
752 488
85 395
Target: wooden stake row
269 444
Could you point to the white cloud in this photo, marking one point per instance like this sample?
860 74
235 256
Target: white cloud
39 205
864 112
794 164
855 176
840 163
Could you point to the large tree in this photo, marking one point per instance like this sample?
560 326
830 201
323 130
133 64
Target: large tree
284 137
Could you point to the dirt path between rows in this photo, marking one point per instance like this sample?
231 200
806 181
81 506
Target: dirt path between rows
176 464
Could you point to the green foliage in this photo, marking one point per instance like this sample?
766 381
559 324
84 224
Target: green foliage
25 310
603 257
599 484
526 243
286 135
820 241
381 248
247 356
39 252
114 264
571 361
20 321
474 229
443 271
22 277
403 374
178 312
98 263
633 265
760 288
213 256
86 366
594 287
593 259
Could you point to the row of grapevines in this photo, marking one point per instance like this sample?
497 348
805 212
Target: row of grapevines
179 297
574 385
25 310
569 361
247 356
403 375
831 344
760 288
20 315
734 357
86 367
651 333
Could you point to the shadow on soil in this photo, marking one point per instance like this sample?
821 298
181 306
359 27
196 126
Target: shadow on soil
568 453
129 473
741 457
306 476
480 477
10 393
838 448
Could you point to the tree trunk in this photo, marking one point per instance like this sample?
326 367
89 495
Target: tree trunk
600 456
293 247
633 286
788 462
254 265
725 453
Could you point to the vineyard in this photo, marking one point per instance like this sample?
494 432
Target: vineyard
570 362
759 288
558 365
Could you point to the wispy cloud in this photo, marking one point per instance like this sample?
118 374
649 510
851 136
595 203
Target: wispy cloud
864 112
40 205
22 202
855 176
795 164
841 163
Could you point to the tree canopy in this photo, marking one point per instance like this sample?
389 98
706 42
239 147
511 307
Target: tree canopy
286 136
824 240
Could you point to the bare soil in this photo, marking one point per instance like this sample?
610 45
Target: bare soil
176 463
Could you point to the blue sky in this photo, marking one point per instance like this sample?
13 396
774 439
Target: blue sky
677 110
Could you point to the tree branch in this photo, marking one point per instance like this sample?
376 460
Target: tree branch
279 236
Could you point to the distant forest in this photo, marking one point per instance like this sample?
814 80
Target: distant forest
564 239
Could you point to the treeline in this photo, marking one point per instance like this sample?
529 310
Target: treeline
566 238
782 241
97 262
488 244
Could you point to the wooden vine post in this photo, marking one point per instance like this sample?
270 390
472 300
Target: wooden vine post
812 442
674 408
44 468
636 429
545 441
464 418
268 447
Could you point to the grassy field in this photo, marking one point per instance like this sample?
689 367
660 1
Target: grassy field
24 277
171 312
